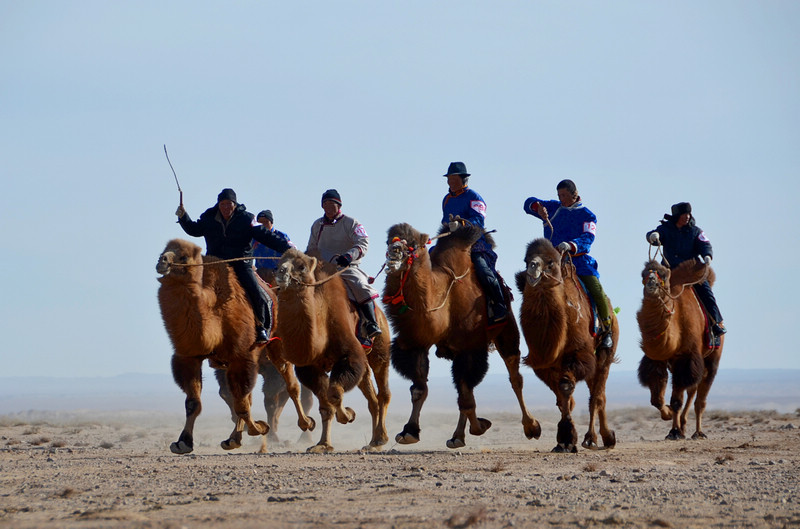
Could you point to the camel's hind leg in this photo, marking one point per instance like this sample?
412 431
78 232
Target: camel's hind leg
597 403
712 365
412 364
346 374
241 378
687 373
378 365
507 343
293 391
468 371
188 374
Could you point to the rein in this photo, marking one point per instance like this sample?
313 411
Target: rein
221 261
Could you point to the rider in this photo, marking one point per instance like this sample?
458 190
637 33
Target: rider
340 239
463 205
573 227
265 268
681 239
229 230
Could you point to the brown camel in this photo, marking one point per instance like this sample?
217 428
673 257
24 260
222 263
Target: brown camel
435 299
557 322
208 317
317 331
674 339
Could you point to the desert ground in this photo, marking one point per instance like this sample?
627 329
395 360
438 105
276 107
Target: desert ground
99 469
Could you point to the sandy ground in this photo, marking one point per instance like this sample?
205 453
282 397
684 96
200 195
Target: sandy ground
90 470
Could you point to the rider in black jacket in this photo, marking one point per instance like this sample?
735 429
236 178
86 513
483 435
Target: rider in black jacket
229 231
681 239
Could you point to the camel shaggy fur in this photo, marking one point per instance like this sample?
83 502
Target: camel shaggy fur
556 320
435 299
208 317
317 331
672 324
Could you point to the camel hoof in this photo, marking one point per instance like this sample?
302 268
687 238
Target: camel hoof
565 449
483 425
532 430
675 435
610 440
371 448
346 417
320 449
307 426
258 428
699 435
666 413
456 443
180 448
263 448
590 444
230 444
406 438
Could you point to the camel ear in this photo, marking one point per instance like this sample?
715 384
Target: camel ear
197 253
423 239
313 266
520 279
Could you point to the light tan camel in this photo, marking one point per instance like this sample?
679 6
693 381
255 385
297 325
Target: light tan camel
317 331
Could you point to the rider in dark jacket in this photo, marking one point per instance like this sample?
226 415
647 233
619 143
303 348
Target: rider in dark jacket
229 230
681 239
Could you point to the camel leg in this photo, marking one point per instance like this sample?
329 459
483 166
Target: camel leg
275 397
379 435
655 375
188 374
412 364
225 391
597 404
563 386
468 370
380 370
507 344
317 381
712 364
304 422
288 388
346 373
241 381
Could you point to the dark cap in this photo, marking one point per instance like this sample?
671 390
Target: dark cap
267 214
332 194
680 208
458 168
227 194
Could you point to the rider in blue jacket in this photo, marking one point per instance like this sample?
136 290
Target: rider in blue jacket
573 230
462 204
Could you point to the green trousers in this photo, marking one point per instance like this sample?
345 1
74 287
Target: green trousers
596 290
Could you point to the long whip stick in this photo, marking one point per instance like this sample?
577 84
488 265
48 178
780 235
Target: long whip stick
180 191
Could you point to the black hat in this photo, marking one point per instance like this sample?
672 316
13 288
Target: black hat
458 168
227 194
332 194
680 208
267 214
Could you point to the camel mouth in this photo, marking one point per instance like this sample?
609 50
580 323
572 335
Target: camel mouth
163 266
534 274
395 257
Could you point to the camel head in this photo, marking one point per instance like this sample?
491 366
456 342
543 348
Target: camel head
403 245
178 252
655 278
295 270
542 261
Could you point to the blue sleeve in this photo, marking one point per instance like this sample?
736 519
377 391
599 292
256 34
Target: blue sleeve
586 229
270 239
550 205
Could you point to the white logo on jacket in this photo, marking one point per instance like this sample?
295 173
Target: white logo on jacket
702 237
589 227
360 231
478 206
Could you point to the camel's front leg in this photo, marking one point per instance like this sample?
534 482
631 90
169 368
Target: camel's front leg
241 381
317 381
412 364
655 375
304 422
711 366
187 372
467 373
597 405
676 404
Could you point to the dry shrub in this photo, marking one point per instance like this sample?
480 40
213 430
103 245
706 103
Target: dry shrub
39 441
58 444
499 466
590 467
106 444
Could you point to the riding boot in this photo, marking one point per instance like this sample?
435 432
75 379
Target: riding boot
498 311
606 340
367 311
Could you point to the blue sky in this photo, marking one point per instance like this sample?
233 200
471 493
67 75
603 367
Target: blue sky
642 104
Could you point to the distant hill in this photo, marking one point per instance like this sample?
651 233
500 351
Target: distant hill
733 390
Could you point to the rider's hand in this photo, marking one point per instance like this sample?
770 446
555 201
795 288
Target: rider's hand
180 212
654 239
707 260
344 260
564 247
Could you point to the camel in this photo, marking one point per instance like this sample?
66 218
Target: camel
557 322
434 298
673 326
317 331
208 317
